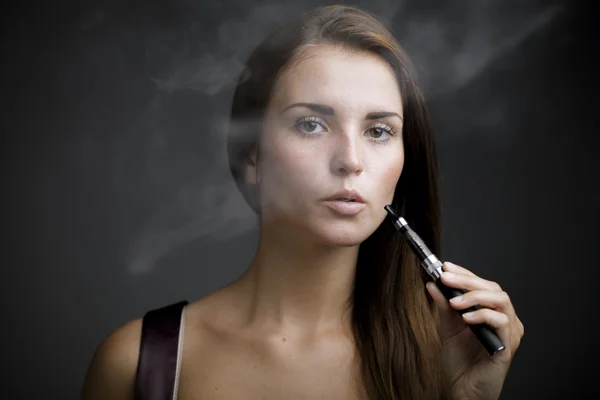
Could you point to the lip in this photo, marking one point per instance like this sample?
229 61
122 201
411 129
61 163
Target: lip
338 202
346 194
345 207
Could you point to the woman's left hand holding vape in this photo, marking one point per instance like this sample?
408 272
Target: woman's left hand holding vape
473 373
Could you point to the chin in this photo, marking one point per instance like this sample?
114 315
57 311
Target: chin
343 236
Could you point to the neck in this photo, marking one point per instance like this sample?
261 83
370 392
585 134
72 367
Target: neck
299 285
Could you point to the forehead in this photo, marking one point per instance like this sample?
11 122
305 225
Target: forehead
335 75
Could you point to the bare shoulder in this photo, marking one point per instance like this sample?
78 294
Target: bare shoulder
111 374
112 371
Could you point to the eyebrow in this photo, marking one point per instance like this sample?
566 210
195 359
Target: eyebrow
323 109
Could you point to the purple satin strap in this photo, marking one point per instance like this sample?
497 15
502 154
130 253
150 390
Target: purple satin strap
157 364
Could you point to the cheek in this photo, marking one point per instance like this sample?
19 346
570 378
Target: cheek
289 167
388 173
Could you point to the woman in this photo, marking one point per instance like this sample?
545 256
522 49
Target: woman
328 126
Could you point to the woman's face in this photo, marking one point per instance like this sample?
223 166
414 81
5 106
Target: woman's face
333 124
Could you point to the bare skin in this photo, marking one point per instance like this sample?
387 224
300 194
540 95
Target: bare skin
254 361
282 330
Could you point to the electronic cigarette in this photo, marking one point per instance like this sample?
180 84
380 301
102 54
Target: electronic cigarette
433 266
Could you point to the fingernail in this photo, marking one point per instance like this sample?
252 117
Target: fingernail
456 300
468 315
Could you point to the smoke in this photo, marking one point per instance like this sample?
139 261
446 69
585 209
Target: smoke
214 72
451 48
206 74
206 206
217 210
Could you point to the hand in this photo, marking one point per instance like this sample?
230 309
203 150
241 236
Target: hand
473 373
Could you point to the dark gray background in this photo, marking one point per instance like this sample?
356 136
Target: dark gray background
117 196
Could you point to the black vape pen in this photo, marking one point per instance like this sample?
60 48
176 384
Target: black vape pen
433 266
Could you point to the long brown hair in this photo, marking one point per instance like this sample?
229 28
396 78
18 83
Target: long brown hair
394 320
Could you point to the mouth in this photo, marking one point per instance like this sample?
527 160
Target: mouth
346 195
346 202
345 207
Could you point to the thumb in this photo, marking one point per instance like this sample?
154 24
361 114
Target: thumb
449 319
438 297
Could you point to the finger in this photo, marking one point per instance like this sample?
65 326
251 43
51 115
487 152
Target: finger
485 298
499 301
494 318
448 266
495 301
468 282
521 327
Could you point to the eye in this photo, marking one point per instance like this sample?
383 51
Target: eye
381 132
309 125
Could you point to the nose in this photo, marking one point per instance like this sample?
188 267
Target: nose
347 159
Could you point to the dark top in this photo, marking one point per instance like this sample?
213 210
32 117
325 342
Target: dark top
157 371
